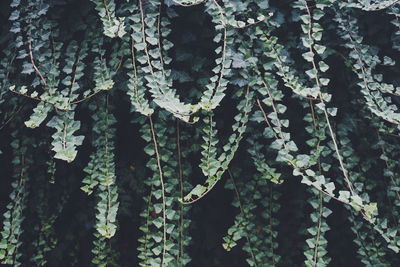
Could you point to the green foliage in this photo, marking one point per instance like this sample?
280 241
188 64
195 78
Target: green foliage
47 214
64 141
289 101
258 229
316 254
113 26
13 217
164 217
101 178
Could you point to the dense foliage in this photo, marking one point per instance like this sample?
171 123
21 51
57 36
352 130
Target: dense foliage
199 132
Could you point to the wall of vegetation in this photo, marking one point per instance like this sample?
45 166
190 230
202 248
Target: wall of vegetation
199 133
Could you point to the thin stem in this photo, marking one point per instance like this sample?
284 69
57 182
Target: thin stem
244 214
317 238
11 117
162 188
340 159
34 64
178 143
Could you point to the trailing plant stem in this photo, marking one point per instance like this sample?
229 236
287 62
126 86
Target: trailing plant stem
158 158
